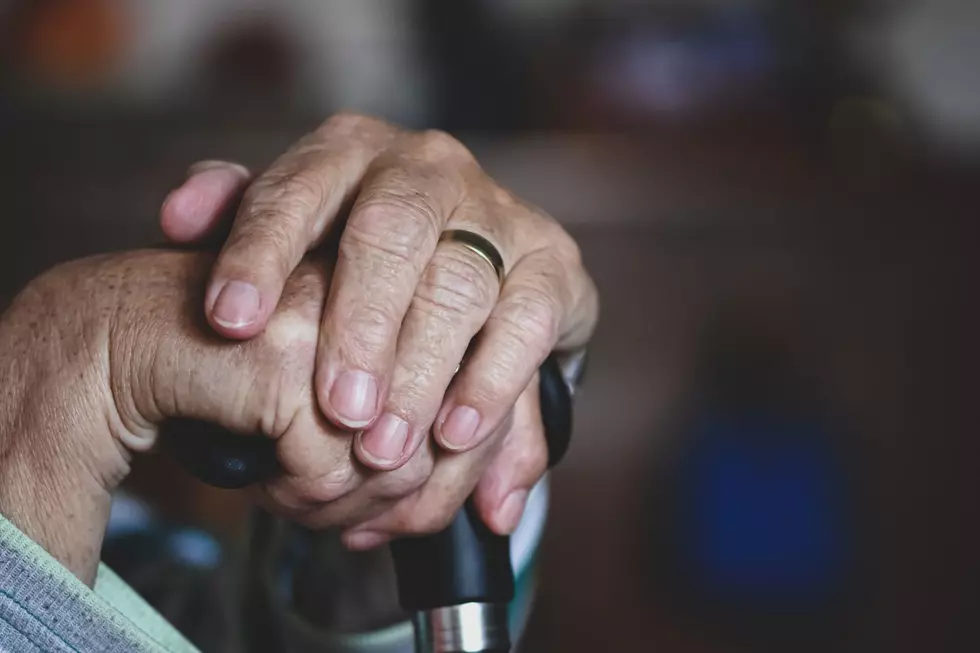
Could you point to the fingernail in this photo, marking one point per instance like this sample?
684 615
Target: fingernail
184 201
361 540
511 510
237 305
354 397
385 442
460 427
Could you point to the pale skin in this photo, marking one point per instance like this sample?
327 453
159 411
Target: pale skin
101 351
403 307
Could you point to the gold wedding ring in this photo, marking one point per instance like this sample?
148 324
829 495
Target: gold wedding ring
479 246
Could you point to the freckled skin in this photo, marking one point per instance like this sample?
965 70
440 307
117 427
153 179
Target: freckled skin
99 351
57 456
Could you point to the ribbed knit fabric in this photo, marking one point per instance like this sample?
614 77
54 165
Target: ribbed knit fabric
44 608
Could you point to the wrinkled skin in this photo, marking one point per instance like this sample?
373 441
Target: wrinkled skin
351 368
99 352
403 307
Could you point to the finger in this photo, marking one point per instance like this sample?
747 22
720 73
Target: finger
319 516
407 197
261 386
315 457
193 211
520 333
433 506
501 494
340 493
452 301
316 463
284 213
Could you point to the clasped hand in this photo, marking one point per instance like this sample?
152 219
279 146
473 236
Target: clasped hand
349 364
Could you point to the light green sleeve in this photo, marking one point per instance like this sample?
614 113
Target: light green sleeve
45 607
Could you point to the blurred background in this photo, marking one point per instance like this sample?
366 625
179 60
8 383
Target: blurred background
778 199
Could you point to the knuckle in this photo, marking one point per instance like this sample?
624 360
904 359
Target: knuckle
265 238
307 188
572 251
303 295
437 145
499 379
372 324
564 246
503 198
409 479
307 149
281 366
267 242
293 193
491 390
412 398
380 312
545 229
326 488
390 224
287 344
456 286
350 123
312 476
531 317
291 384
299 196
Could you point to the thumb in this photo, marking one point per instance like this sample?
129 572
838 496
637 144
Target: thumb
174 366
196 210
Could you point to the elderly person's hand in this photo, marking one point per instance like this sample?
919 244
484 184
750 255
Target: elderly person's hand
405 303
97 353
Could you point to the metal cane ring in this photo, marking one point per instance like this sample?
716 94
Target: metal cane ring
479 246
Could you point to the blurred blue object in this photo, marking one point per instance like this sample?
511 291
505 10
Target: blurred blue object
765 509
195 548
755 521
185 573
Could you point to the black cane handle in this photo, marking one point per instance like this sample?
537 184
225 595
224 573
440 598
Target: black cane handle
464 563
467 562
230 460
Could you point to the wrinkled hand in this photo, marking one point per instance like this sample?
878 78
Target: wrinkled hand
403 307
100 352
